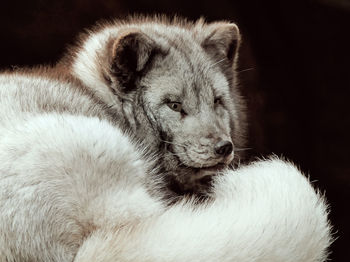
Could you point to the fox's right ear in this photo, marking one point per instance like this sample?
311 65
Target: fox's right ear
131 55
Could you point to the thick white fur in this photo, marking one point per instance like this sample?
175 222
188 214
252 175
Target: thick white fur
62 177
267 211
72 188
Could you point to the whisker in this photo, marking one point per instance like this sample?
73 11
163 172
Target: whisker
171 143
218 62
242 149
178 154
181 145
245 70
239 161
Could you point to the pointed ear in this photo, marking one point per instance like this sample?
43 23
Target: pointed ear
222 40
132 53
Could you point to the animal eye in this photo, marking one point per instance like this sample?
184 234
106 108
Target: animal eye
217 101
175 106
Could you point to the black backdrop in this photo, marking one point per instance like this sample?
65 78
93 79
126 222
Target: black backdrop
294 67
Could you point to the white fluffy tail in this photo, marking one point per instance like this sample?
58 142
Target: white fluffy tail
267 211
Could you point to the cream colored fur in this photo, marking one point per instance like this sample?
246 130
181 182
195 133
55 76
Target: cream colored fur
267 211
74 187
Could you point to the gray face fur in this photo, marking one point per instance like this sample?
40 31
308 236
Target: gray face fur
173 85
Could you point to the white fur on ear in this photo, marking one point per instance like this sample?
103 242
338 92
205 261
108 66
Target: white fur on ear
221 37
267 211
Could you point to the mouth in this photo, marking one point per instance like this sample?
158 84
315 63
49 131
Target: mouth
198 179
214 165
194 180
215 168
207 169
205 172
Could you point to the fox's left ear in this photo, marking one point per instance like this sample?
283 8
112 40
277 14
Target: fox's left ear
221 40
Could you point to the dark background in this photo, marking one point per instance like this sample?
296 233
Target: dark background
294 65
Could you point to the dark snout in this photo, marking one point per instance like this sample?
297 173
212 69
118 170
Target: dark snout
223 148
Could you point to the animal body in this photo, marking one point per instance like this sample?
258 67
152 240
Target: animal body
139 113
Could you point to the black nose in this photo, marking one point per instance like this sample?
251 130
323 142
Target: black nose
223 148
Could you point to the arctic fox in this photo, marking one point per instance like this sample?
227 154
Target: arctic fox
173 85
92 150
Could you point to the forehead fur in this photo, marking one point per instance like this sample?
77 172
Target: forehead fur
173 27
174 24
177 32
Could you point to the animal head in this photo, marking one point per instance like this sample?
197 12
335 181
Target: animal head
173 84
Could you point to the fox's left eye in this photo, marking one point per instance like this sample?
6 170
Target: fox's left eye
217 101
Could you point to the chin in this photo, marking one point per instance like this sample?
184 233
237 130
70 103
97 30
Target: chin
193 181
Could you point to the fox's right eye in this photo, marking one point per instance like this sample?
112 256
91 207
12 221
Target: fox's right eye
175 106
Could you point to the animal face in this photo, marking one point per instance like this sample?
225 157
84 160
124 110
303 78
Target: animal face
191 104
174 86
